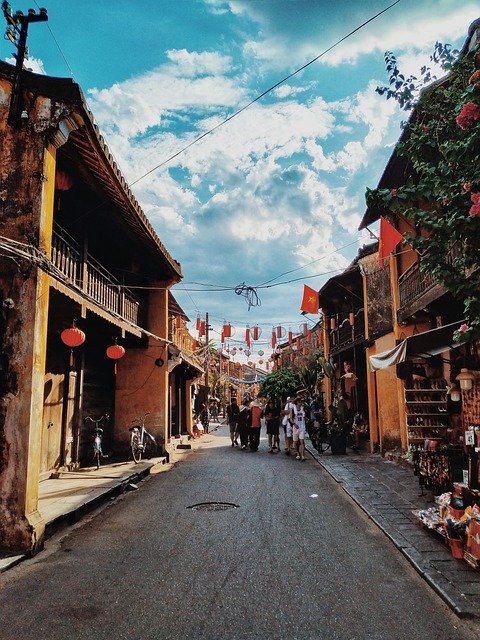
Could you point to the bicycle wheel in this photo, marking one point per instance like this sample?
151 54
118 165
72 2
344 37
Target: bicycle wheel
136 447
97 458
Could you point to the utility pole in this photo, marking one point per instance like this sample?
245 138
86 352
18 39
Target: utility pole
18 36
207 353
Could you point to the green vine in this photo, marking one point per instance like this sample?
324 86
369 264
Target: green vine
441 196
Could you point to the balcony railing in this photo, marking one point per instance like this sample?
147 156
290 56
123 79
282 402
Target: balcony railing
98 283
346 333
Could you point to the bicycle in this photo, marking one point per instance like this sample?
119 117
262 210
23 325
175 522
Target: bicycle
141 440
97 440
319 433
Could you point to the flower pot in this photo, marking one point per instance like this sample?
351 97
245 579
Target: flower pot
456 547
338 444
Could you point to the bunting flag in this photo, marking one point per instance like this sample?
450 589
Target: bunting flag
389 238
310 300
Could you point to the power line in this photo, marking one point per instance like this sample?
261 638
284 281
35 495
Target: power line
264 93
58 46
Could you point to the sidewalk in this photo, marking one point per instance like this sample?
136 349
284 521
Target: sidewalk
66 498
388 493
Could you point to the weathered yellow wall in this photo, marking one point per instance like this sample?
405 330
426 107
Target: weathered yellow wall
389 410
142 385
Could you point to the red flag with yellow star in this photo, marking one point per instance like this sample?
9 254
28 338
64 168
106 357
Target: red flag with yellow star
310 300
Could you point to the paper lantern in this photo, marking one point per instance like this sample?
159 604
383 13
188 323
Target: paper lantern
290 336
222 338
351 318
115 352
465 378
63 181
227 330
197 324
201 330
72 337
274 339
332 323
256 332
260 362
304 329
297 344
260 353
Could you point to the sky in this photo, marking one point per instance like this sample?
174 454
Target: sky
275 195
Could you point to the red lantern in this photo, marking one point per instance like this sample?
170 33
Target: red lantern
290 336
305 351
280 331
247 336
297 343
72 337
351 318
201 330
260 362
115 352
63 181
256 332
240 348
227 330
197 324
309 335
194 345
320 339
274 339
304 328
260 353
332 323
268 365
222 338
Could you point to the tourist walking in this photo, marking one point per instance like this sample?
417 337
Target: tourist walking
232 417
287 423
256 415
272 417
299 429
243 424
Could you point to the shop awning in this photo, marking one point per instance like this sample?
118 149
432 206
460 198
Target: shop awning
420 345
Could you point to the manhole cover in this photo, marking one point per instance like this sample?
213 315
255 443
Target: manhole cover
213 506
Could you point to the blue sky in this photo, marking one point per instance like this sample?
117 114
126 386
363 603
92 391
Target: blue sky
278 189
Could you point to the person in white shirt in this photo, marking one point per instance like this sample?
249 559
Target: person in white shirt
299 429
287 423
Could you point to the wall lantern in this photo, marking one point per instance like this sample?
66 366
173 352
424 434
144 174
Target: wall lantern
465 378
332 323
115 352
72 337
351 318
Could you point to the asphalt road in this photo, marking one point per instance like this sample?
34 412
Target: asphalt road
295 560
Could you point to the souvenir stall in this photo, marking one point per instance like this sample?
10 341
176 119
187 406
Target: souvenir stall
456 514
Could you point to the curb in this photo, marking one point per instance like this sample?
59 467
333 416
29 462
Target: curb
448 593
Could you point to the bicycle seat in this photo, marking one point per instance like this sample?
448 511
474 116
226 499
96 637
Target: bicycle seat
134 426
98 430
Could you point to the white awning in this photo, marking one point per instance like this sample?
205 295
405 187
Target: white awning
423 345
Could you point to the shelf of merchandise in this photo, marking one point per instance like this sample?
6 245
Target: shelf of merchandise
421 409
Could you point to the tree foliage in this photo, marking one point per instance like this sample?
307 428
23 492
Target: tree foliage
280 384
441 195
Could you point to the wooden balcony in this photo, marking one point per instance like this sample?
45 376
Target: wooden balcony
92 278
346 334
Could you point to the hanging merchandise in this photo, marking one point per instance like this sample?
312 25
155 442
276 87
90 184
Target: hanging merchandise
257 332
290 335
72 337
115 352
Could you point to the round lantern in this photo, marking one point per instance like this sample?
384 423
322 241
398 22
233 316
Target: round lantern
240 348
63 181
260 362
115 352
72 337
260 353
247 352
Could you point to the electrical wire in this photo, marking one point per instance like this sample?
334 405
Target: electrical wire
58 46
264 93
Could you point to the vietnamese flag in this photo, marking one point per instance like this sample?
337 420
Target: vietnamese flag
389 238
310 300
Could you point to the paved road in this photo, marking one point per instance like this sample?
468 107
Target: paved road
296 560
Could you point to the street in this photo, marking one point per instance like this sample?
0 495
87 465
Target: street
296 559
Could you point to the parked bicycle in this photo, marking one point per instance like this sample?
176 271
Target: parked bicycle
141 441
97 439
319 435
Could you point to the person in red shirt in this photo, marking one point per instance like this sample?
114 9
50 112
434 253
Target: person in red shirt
256 415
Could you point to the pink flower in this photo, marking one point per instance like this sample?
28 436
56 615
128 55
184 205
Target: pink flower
467 186
468 115
393 192
463 327
445 202
475 197
474 210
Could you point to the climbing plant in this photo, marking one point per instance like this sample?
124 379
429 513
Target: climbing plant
441 195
